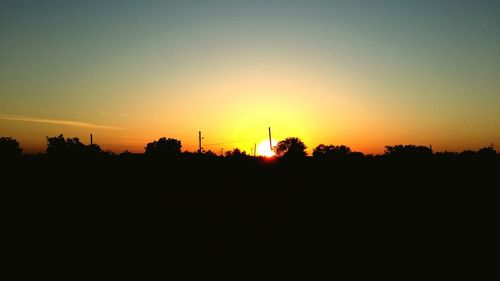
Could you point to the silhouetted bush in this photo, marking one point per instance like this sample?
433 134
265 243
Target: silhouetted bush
331 151
9 148
209 154
446 154
487 151
59 146
236 154
126 153
290 148
95 149
356 155
412 151
71 147
164 148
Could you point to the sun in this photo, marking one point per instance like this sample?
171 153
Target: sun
263 148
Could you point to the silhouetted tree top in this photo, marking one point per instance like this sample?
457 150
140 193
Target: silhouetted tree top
209 153
9 147
94 149
408 151
236 153
467 153
328 151
357 155
165 148
487 151
64 147
291 147
126 153
59 146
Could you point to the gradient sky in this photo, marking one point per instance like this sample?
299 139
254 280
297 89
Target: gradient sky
359 73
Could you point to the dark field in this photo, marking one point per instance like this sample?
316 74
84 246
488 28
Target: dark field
251 193
430 209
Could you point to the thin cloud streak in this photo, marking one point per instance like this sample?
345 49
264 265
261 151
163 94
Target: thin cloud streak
111 114
55 121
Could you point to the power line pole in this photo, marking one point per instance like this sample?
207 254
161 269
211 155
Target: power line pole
199 141
270 142
91 142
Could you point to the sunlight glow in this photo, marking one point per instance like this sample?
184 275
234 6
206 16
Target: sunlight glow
263 148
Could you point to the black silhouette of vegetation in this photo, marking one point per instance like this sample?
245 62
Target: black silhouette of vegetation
291 148
58 146
487 151
9 148
408 151
236 154
357 198
209 153
331 151
164 148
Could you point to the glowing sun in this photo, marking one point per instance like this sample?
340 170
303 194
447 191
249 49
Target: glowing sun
263 148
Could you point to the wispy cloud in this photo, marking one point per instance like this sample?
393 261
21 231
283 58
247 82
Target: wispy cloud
111 114
54 121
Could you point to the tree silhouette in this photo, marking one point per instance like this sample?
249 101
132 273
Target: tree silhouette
126 153
58 146
408 151
236 154
467 154
71 147
94 149
9 147
164 148
291 147
356 155
209 153
488 151
331 151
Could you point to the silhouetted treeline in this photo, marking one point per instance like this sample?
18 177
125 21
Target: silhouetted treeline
291 149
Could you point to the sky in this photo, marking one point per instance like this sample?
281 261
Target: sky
360 73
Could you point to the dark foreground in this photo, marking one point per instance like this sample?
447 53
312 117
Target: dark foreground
370 205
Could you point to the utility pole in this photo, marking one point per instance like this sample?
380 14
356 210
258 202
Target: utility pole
199 141
91 142
270 142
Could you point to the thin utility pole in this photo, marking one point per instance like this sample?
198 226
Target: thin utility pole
91 142
270 142
199 141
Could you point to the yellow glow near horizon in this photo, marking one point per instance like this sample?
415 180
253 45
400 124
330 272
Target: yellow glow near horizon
263 148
